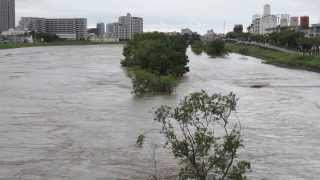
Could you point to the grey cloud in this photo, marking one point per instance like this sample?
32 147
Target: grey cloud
199 15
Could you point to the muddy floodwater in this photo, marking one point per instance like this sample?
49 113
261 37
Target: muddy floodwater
67 113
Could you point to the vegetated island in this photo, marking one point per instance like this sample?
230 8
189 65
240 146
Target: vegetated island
155 61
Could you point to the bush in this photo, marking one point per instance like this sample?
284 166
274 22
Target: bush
216 48
157 53
197 47
146 82
244 51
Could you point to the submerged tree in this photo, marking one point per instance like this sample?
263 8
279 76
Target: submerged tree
216 48
200 134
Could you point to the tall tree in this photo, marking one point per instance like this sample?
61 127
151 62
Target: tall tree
200 134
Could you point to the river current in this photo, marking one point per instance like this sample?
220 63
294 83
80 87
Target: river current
68 113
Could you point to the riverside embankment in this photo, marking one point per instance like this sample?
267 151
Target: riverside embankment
277 56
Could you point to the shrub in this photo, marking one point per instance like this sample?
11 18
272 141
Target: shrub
146 82
244 51
216 48
197 47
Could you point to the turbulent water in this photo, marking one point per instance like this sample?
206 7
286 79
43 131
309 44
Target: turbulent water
68 113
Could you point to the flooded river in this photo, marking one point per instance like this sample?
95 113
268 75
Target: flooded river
68 113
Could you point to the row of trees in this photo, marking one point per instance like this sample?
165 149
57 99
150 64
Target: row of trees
156 60
44 37
213 48
287 39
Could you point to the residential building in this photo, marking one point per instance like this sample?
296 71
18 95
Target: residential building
255 27
7 15
126 27
66 28
186 31
267 22
32 24
209 36
260 24
238 28
284 20
101 29
109 29
294 21
267 10
314 30
69 28
304 22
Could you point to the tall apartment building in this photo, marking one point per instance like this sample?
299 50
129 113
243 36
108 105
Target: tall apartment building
67 28
294 21
304 22
7 15
238 28
101 29
261 24
125 28
284 20
32 24
268 20
254 28
314 30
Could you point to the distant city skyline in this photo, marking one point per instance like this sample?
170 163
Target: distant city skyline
167 15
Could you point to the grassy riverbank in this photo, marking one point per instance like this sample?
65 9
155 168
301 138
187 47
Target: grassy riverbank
278 58
55 43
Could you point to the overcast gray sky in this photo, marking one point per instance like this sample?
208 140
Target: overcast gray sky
168 15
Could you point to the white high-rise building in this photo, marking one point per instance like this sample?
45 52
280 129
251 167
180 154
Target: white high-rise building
260 24
66 28
284 20
125 28
267 10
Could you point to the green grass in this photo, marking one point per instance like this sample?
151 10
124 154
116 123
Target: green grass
56 43
276 57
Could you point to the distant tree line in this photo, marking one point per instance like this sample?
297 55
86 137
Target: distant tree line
44 37
155 61
214 48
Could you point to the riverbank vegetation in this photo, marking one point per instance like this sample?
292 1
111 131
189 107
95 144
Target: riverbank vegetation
276 57
200 134
155 62
288 39
213 48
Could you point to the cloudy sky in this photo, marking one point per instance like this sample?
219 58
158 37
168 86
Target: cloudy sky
168 15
